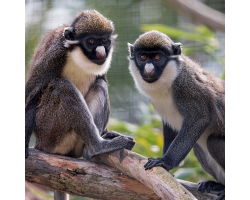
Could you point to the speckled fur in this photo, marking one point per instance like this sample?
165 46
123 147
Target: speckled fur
153 39
92 22
191 102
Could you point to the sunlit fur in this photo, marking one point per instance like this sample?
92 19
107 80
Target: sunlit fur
159 92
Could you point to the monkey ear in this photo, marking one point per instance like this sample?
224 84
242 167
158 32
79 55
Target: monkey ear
68 33
130 49
177 48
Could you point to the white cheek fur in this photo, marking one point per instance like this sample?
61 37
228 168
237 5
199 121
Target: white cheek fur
81 71
88 66
162 85
160 93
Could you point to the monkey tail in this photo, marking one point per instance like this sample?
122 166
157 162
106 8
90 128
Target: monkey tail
58 195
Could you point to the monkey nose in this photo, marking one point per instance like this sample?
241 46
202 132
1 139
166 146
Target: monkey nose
149 69
100 52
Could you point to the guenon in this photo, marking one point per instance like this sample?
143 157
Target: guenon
190 101
66 94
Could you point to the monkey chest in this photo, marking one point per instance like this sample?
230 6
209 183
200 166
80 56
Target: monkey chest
165 107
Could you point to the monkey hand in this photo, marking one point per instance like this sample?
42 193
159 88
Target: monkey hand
112 134
153 162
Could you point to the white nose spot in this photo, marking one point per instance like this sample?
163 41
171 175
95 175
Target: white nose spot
100 50
149 67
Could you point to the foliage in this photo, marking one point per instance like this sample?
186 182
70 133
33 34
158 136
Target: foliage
149 143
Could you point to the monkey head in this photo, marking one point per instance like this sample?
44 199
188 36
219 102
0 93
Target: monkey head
90 41
154 60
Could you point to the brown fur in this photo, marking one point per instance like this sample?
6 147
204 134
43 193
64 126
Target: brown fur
91 21
151 39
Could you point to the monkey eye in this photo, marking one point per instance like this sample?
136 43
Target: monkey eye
157 57
104 40
143 57
91 41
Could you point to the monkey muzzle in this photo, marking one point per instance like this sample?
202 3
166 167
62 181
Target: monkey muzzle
149 72
100 55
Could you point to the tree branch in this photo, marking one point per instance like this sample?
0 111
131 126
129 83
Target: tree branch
199 12
84 178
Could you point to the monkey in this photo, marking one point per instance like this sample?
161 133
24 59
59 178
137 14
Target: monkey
190 101
66 92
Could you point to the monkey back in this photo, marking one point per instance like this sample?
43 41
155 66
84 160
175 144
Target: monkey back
92 22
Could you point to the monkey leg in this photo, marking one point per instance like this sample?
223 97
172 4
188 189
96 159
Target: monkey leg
216 148
98 104
63 118
30 112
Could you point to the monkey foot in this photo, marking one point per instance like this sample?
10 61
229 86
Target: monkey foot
112 134
153 162
221 195
207 186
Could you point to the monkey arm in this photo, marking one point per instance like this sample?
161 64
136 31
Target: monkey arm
169 135
190 132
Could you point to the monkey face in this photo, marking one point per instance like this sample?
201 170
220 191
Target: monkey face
151 54
89 41
150 64
96 48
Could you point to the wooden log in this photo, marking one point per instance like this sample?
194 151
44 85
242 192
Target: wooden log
83 178
157 178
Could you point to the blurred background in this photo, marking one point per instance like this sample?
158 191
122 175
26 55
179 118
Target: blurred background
131 113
